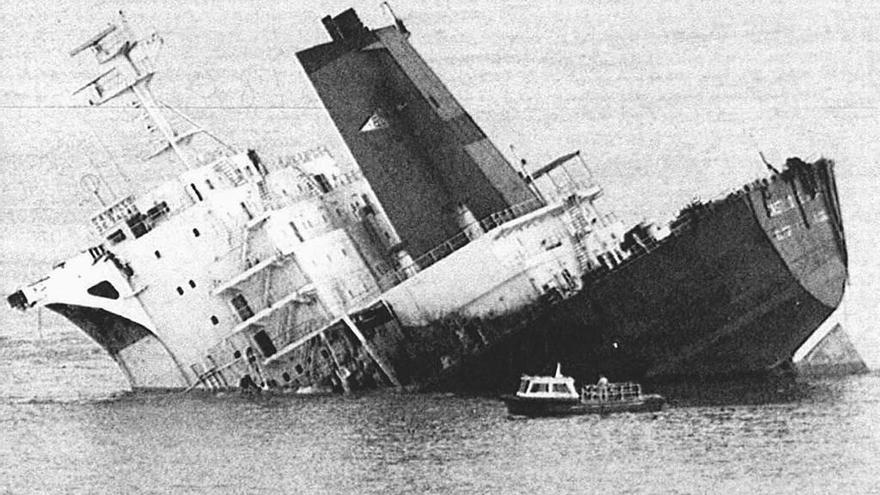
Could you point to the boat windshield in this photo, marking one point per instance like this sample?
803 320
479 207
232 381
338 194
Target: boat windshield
561 388
539 387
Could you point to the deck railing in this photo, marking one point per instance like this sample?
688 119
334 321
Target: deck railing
612 392
457 242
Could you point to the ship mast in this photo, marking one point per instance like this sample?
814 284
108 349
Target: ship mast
130 72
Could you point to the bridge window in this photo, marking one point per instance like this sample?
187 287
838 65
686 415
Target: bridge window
103 289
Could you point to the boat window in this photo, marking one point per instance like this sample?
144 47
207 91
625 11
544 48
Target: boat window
561 388
103 289
524 386
539 387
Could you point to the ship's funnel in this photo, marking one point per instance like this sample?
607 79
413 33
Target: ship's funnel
345 27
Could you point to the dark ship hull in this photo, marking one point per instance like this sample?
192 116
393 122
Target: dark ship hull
734 293
740 284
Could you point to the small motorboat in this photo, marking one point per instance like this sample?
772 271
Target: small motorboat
558 396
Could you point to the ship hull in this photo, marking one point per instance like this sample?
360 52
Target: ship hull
736 292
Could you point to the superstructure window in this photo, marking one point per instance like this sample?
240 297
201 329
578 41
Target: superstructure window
116 237
264 342
323 183
104 289
296 231
197 193
242 307
247 212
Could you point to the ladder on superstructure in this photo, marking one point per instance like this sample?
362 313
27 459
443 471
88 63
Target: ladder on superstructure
579 229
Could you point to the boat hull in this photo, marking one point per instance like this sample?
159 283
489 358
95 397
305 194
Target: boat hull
519 406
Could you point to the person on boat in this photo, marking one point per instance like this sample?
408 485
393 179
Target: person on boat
602 384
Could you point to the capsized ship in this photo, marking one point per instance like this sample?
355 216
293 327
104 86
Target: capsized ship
432 258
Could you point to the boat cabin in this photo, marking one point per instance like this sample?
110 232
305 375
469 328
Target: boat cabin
548 387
